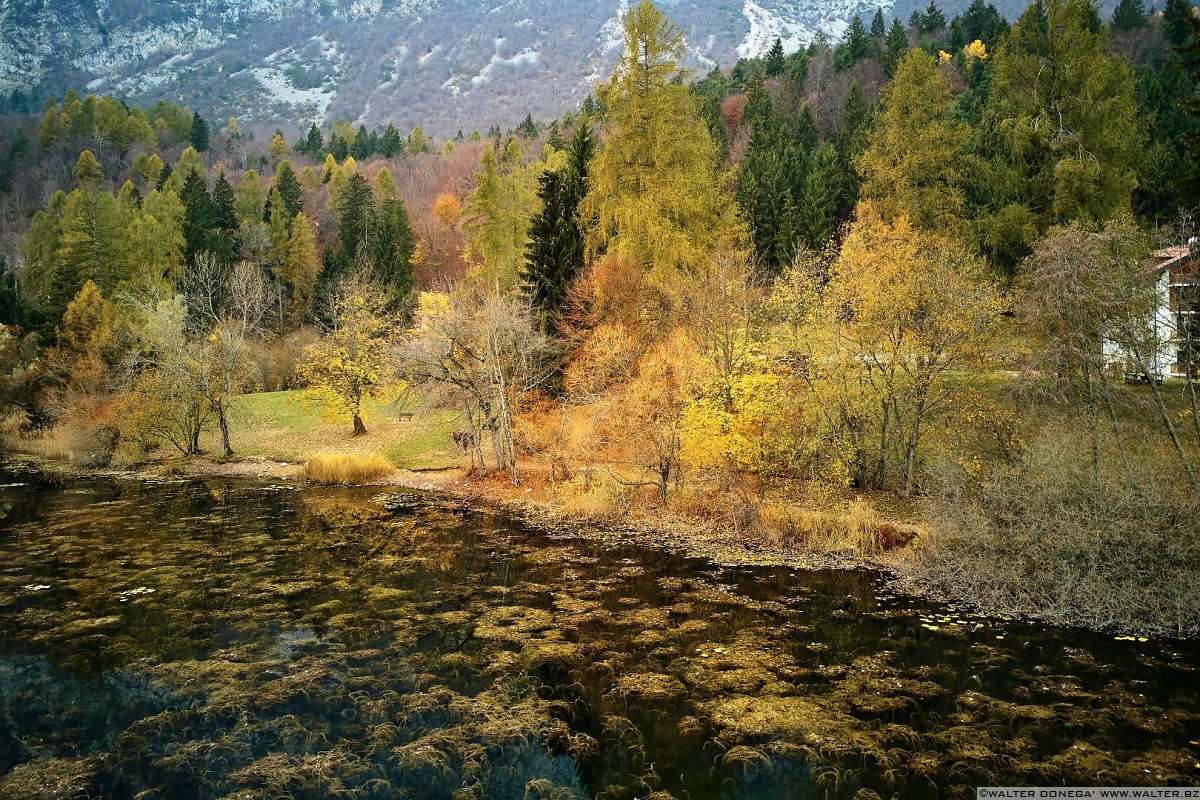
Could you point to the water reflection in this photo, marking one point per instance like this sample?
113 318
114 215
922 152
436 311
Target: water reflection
215 639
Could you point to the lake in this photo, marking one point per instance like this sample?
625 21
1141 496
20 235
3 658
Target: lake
229 639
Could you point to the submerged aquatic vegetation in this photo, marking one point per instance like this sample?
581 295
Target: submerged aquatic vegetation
203 640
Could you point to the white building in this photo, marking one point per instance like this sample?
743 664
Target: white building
1175 329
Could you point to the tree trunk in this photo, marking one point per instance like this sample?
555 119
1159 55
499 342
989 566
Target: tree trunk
359 428
223 421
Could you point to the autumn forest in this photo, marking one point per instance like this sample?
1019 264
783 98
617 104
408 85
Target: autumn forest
895 298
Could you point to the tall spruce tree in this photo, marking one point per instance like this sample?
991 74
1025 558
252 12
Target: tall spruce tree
774 63
1177 23
355 216
314 143
894 47
289 188
199 134
878 27
391 244
390 144
1129 15
555 253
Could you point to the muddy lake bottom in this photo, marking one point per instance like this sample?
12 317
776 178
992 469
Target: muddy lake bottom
231 639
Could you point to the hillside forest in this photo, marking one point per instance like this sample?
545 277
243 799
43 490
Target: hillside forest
861 299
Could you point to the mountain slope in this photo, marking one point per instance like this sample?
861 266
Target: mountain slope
445 64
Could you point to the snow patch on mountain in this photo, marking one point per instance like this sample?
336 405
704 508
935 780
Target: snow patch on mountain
526 57
766 27
311 103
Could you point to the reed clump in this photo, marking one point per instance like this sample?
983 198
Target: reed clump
344 469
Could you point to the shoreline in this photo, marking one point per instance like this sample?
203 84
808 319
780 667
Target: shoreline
689 537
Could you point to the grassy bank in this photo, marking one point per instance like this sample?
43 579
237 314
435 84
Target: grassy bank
283 426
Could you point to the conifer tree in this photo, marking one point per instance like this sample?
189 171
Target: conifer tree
655 194
314 143
391 245
289 188
92 233
823 190
1176 23
555 253
298 268
355 210
1129 15
1076 164
199 134
88 174
858 42
197 215
980 21
418 142
338 147
528 128
894 47
932 20
912 166
251 198
278 228
774 63
362 149
390 144
878 29
224 205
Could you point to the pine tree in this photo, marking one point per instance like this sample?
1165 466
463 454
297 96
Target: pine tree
354 217
933 19
878 28
858 42
338 147
980 21
197 215
528 129
656 194
250 198
224 205
913 165
819 201
362 149
797 69
775 60
554 256
314 143
289 189
91 231
1129 15
199 134
391 245
895 46
1083 164
278 228
791 234
1176 23
390 144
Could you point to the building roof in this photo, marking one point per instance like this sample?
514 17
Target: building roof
1170 257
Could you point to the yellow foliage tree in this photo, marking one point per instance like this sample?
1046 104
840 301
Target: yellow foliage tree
656 195
349 363
913 165
902 310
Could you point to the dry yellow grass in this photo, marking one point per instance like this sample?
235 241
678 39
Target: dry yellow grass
340 469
